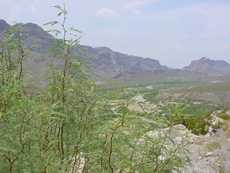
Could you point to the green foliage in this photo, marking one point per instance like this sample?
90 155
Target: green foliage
198 125
179 114
70 126
224 116
152 96
199 110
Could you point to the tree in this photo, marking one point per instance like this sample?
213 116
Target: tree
68 127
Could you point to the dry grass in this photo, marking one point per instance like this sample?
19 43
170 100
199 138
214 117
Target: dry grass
226 128
213 146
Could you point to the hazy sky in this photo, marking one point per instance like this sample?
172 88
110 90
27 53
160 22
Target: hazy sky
172 31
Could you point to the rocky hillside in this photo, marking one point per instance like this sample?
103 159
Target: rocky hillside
210 67
109 64
104 64
3 25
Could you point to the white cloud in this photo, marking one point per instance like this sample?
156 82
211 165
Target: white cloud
137 4
106 12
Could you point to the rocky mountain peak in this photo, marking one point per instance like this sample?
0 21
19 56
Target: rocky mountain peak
105 64
3 25
35 37
209 66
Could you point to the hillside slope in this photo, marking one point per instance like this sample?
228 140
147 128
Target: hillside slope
209 67
104 64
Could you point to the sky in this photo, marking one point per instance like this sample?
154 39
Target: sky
171 31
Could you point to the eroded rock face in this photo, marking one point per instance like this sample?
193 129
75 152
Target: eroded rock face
208 66
3 25
178 133
139 104
207 153
169 145
228 112
211 154
215 121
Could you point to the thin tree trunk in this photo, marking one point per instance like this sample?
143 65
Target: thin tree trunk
110 154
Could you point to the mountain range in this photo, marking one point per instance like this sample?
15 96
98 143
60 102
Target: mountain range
104 64
210 67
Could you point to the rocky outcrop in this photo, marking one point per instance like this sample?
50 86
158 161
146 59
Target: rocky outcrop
210 67
3 25
101 62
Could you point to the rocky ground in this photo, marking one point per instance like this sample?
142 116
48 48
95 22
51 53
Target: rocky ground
211 153
208 153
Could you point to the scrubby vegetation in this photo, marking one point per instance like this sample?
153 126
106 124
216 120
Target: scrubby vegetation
70 127
224 116
194 117
213 146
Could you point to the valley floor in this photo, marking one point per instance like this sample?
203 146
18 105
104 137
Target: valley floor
207 153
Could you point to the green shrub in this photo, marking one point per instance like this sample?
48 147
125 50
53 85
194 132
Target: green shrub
152 96
225 116
198 125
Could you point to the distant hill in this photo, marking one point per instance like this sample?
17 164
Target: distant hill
3 25
104 64
209 67
107 64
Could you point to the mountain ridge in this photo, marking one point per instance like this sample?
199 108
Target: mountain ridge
209 66
103 63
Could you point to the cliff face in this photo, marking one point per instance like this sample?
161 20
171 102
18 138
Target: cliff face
208 66
102 63
3 26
